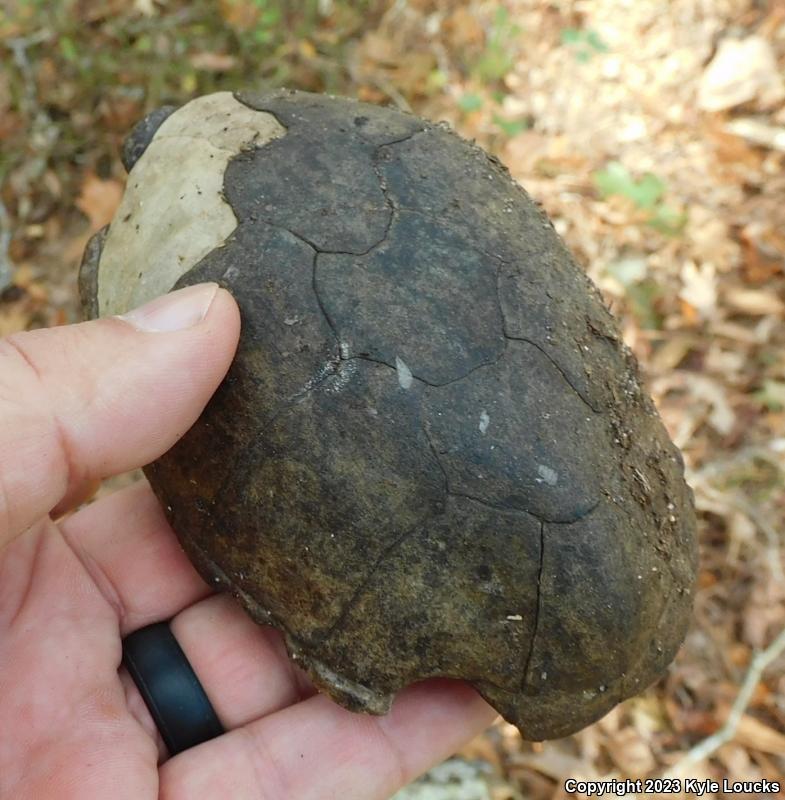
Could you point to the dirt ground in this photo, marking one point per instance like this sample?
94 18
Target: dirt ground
653 133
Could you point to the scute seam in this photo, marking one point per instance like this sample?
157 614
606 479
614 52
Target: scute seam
363 584
537 612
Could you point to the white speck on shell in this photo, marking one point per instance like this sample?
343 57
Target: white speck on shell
405 377
484 421
514 617
547 474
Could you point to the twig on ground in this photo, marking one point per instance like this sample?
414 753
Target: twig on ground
6 267
43 132
704 749
18 47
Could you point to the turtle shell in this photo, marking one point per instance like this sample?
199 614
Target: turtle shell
432 455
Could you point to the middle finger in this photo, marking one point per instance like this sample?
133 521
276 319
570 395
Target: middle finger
129 550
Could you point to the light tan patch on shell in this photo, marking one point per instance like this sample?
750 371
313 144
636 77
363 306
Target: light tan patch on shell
173 212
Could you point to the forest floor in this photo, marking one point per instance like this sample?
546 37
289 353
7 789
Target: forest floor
652 133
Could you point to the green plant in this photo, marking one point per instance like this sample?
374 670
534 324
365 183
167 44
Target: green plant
498 58
642 291
584 43
488 71
267 21
616 179
772 395
510 127
470 102
645 193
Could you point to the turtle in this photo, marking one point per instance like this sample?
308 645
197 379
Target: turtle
432 454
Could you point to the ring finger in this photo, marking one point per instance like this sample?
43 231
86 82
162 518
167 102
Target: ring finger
243 666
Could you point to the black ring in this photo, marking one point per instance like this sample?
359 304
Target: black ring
177 701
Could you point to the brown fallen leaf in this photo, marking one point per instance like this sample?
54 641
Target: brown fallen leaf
734 758
92 11
463 29
99 199
119 113
554 763
242 15
671 353
483 749
741 70
631 753
755 302
213 62
15 318
758 132
758 266
753 733
306 49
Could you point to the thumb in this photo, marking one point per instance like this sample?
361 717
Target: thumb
83 402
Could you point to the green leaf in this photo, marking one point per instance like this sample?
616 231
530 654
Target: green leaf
668 220
772 395
497 59
470 102
594 41
494 64
510 127
585 43
270 17
647 191
643 298
437 79
144 44
501 18
68 49
615 179
571 36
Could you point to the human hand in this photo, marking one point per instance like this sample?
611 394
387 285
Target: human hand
78 404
